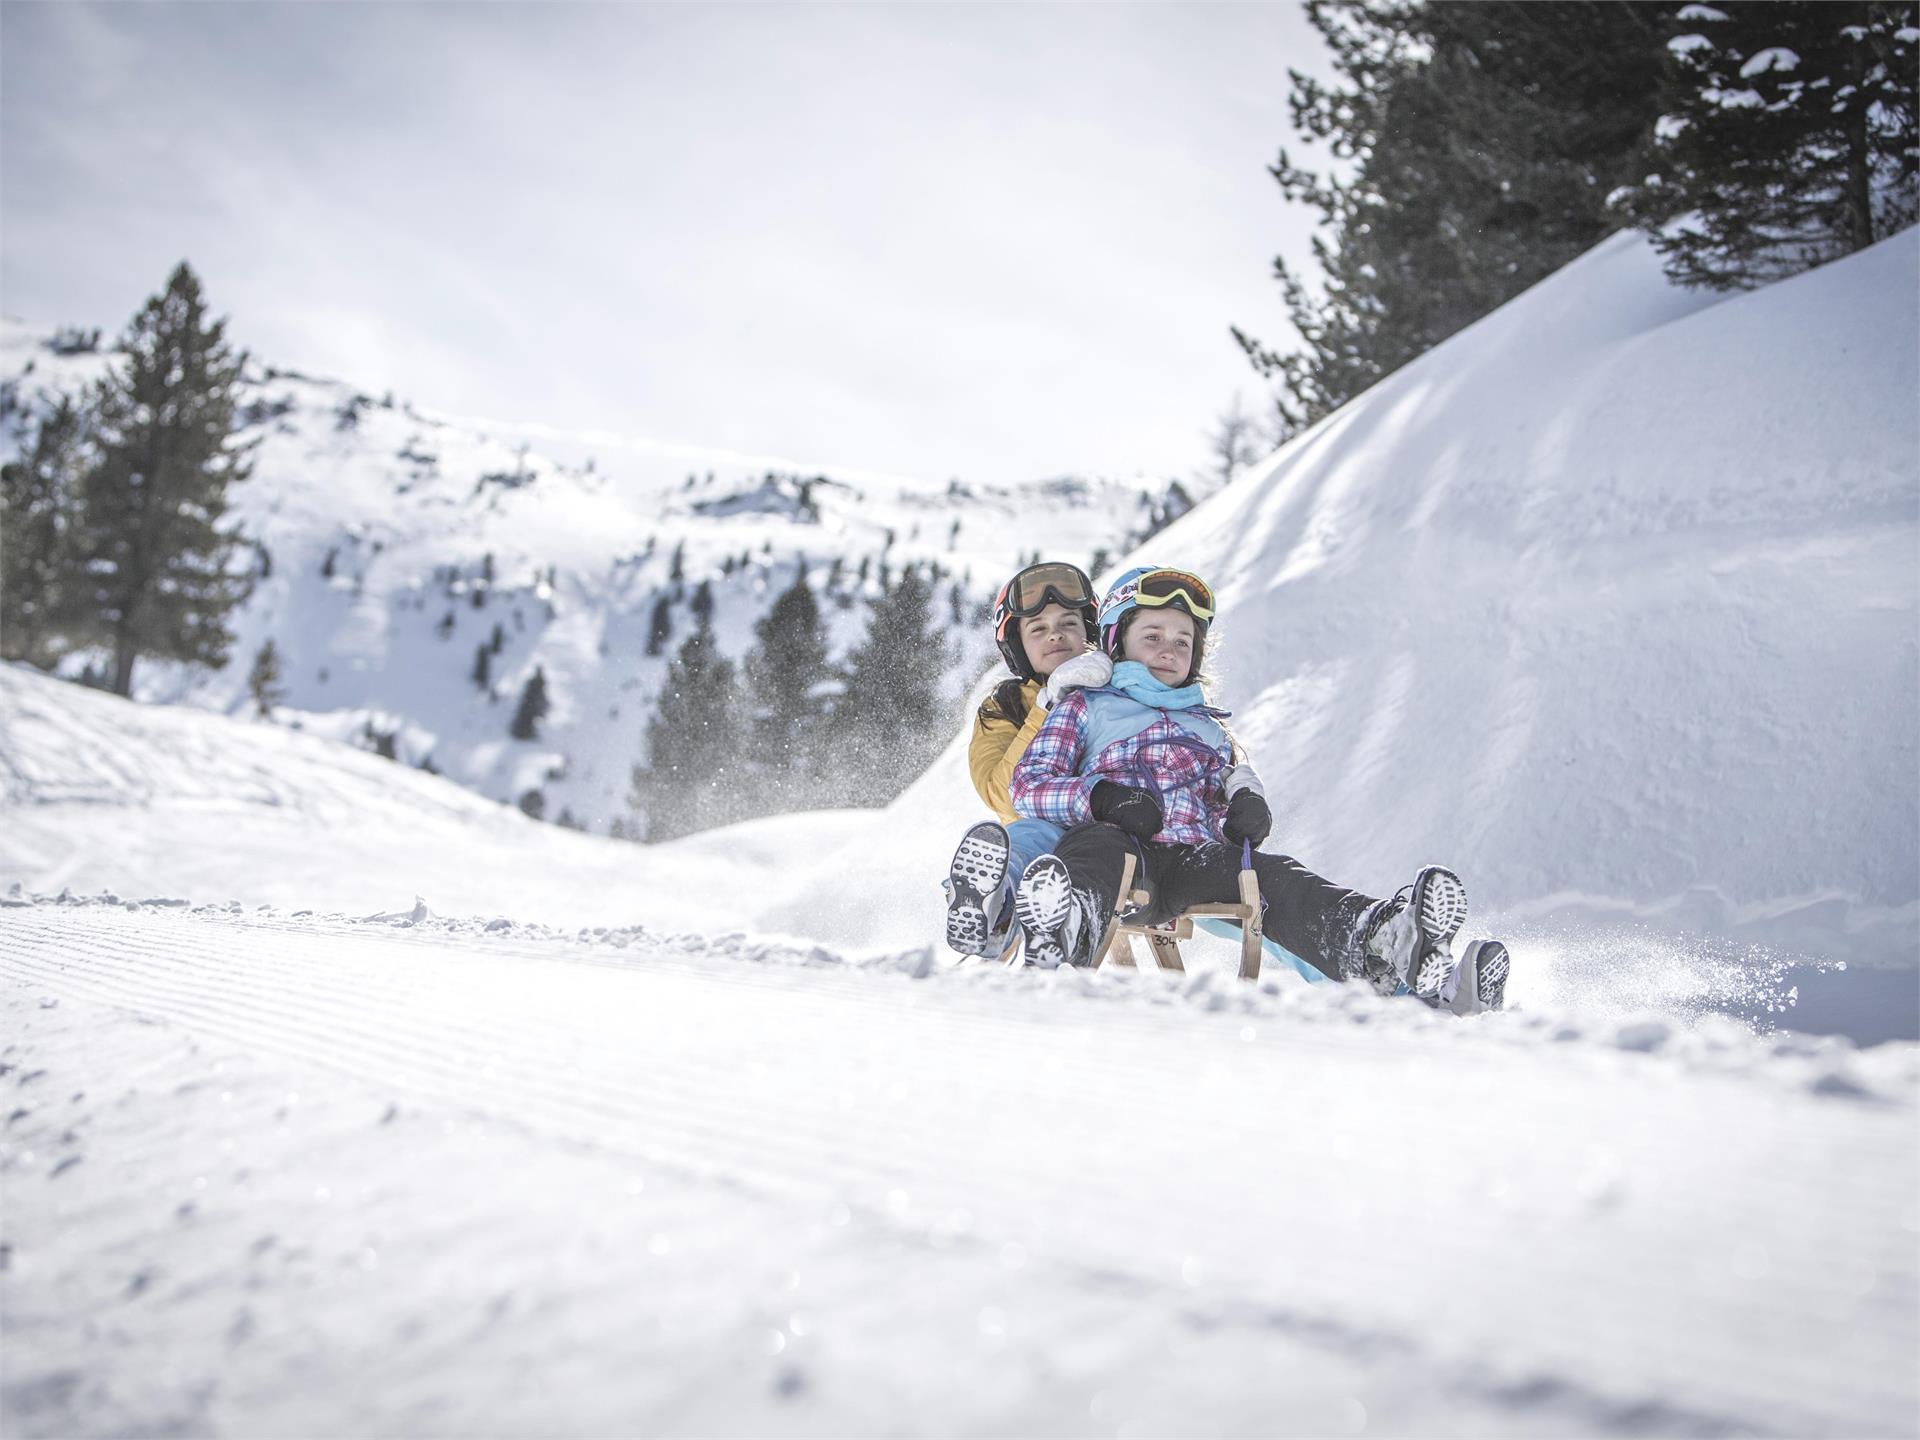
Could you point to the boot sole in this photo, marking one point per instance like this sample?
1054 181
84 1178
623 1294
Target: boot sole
1040 904
1490 978
978 870
1439 910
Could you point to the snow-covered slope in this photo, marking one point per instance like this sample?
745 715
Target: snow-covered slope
394 546
163 801
1610 602
281 1175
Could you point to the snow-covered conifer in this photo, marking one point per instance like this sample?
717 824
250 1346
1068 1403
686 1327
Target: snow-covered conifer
1475 146
264 679
691 779
532 708
39 494
889 721
660 624
156 552
1789 138
784 674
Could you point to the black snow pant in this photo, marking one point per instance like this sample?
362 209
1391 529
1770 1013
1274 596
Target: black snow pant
1314 918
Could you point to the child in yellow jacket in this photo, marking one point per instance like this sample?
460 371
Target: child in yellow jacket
1044 621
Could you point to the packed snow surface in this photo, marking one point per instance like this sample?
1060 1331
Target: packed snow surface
293 1174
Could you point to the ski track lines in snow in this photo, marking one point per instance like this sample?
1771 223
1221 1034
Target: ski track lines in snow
1560 1234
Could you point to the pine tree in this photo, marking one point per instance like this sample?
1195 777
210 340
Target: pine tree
1234 444
482 675
660 626
702 603
784 672
39 493
263 680
1789 138
692 777
532 708
1480 140
888 722
156 556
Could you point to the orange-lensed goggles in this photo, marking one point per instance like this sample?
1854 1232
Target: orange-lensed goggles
1166 587
1052 583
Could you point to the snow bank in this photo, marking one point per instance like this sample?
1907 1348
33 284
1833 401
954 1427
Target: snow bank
168 801
1609 602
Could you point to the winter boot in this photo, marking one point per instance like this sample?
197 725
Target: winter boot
1480 984
1061 925
977 891
1409 939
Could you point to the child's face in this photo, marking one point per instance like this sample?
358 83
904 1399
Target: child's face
1055 635
1161 640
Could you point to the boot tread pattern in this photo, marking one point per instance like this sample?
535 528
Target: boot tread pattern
979 868
1492 978
1041 905
981 859
1440 909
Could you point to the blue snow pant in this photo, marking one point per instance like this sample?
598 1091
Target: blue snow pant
1027 841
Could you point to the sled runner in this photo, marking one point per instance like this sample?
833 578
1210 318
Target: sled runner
1163 941
1228 930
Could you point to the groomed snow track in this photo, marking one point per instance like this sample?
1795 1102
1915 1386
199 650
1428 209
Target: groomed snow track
294 1174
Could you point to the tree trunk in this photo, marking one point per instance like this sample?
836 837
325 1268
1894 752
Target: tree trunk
123 658
1859 184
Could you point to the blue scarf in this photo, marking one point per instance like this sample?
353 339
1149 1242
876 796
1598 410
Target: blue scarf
1136 682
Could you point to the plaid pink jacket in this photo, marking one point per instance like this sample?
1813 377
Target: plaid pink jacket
1185 772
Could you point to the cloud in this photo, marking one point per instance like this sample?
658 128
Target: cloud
994 241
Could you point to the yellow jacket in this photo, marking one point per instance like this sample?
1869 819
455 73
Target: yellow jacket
997 746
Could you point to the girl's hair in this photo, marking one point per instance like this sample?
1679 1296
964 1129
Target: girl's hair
1008 700
1199 672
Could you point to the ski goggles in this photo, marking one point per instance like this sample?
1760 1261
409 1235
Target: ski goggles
1051 583
1169 587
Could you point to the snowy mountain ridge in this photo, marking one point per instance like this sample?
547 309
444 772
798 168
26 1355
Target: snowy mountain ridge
394 546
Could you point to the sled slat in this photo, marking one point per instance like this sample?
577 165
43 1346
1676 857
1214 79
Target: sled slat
1113 921
1163 941
1165 951
1250 925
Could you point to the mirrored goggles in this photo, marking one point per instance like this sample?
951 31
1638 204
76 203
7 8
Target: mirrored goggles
1165 587
1052 583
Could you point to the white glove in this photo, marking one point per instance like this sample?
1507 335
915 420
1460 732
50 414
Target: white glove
1082 672
1241 777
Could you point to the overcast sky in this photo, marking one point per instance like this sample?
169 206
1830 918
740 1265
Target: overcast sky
994 241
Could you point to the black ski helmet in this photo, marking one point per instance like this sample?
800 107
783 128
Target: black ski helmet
1030 591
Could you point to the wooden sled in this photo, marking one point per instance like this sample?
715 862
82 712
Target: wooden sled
1163 941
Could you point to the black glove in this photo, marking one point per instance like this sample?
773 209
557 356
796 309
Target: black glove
1248 818
1134 811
